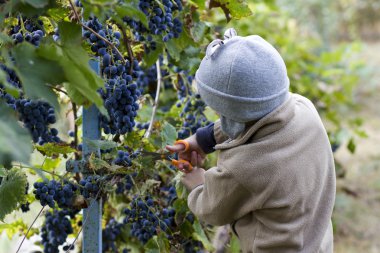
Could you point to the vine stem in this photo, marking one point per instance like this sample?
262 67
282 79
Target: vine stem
96 34
57 89
30 227
155 105
129 49
75 113
85 220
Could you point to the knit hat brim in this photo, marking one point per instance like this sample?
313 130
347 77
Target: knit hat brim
240 109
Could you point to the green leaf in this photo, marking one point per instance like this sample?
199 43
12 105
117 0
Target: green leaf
234 245
186 229
151 58
134 139
180 188
173 49
198 31
131 11
83 82
168 134
12 191
200 235
149 184
8 87
37 3
237 9
50 149
49 164
37 73
100 144
351 145
157 244
5 38
98 164
15 141
3 172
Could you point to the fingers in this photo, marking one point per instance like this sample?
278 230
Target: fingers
200 160
181 167
194 158
176 148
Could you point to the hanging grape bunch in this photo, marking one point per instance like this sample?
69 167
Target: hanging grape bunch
162 22
36 115
193 113
121 92
27 30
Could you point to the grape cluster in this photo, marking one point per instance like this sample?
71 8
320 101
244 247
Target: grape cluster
183 85
52 192
120 93
36 115
25 206
145 220
123 158
125 185
56 229
142 218
90 186
169 193
168 217
33 32
193 246
161 22
142 126
109 234
193 112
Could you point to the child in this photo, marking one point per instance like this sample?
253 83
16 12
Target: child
275 178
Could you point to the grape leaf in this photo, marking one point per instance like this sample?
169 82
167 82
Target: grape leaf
37 3
36 73
12 191
158 243
81 82
50 149
151 58
99 144
3 172
96 164
200 235
234 244
198 31
131 11
232 9
15 141
168 134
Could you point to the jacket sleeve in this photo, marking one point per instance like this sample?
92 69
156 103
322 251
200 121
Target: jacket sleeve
220 200
205 138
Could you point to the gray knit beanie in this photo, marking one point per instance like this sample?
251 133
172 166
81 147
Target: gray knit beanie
243 79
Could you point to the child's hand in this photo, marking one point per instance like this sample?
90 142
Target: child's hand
193 146
194 178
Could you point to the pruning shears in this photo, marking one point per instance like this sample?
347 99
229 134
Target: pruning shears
169 156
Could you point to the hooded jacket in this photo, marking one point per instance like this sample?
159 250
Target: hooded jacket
274 183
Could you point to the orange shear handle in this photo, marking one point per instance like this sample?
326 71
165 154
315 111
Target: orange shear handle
185 143
178 162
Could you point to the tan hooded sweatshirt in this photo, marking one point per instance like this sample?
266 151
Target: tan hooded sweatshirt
275 183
